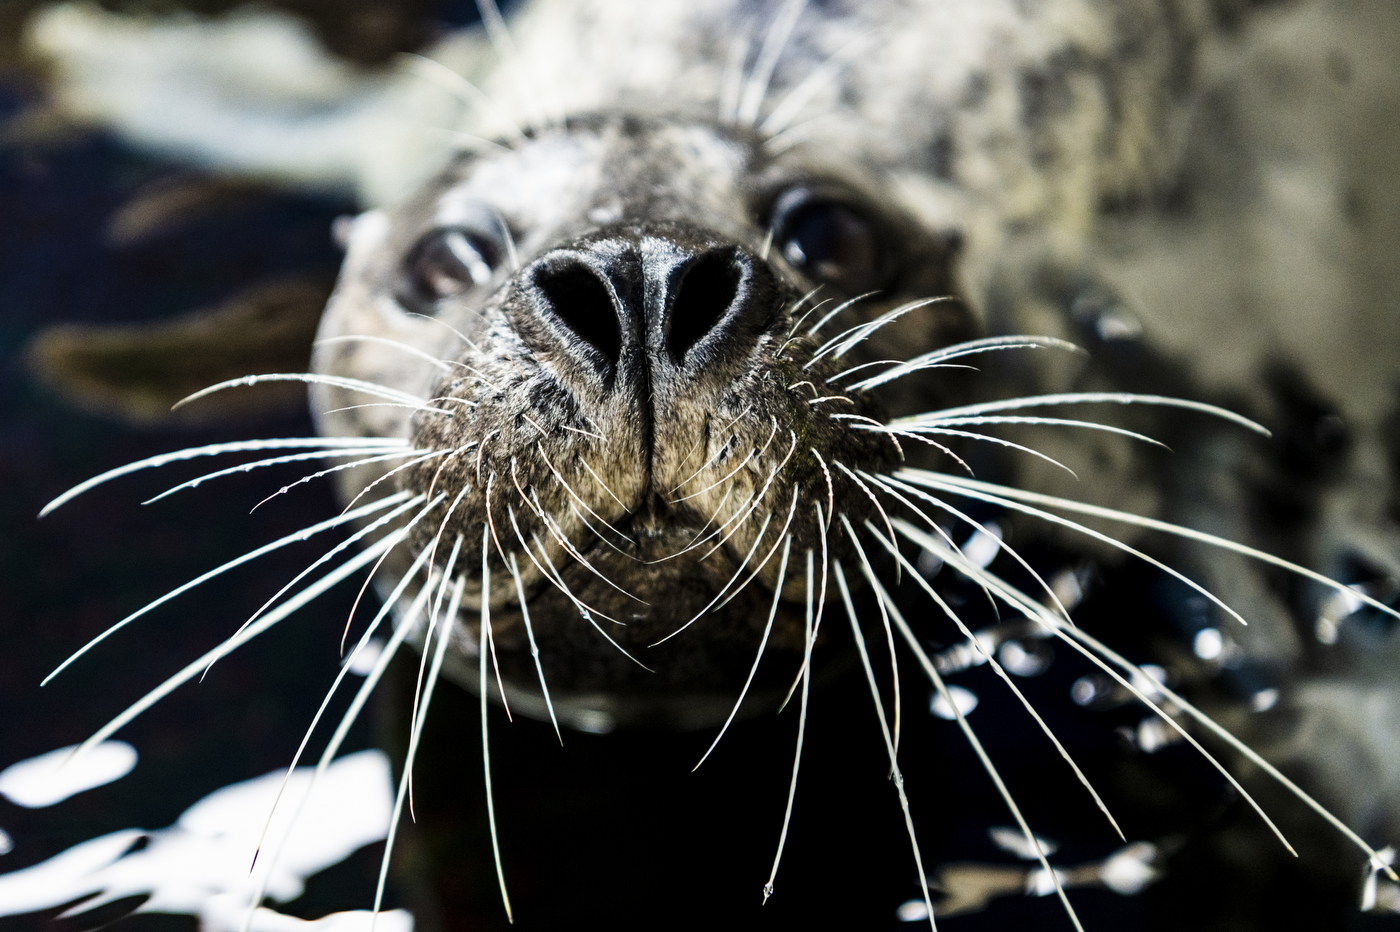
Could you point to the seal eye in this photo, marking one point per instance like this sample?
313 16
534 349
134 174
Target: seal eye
449 262
830 241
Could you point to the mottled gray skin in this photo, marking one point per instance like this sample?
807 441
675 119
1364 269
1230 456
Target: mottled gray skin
655 136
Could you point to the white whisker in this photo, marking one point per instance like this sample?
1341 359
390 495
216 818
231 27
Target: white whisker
584 610
415 733
700 537
1051 421
801 732
878 507
875 425
574 495
946 451
918 434
1037 613
292 538
335 381
458 334
787 110
797 323
782 533
429 358
352 713
335 685
394 540
530 633
197 666
558 581
753 454
843 342
1008 501
982 755
276 461
322 473
500 683
939 357
326 557
1122 398
583 519
756 88
1377 862
428 640
849 302
586 433
989 658
896 775
558 534
758 539
484 637
397 469
763 642
821 606
870 576
718 453
464 90
599 479
217 449
741 518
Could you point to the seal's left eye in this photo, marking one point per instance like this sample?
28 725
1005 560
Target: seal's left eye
830 241
450 261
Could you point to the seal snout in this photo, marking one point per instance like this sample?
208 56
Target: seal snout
648 310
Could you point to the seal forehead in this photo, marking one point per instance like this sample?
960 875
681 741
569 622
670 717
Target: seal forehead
535 185
602 170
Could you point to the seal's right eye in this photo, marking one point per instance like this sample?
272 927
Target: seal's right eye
450 261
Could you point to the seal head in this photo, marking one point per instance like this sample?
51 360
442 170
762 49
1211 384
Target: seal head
630 338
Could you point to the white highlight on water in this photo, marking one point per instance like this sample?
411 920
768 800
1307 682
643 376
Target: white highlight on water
44 780
964 699
199 865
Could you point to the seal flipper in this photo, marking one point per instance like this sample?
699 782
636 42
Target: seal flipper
136 372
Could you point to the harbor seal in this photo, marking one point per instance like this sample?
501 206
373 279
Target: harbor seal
622 339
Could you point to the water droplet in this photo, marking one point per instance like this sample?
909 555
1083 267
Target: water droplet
1085 690
929 563
964 699
1067 589
982 547
1208 644
363 661
1029 658
912 911
1014 841
1153 734
1264 700
53 777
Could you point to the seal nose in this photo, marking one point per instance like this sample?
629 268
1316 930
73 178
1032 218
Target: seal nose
646 306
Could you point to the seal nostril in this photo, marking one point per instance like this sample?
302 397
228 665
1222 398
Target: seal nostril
579 299
705 294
